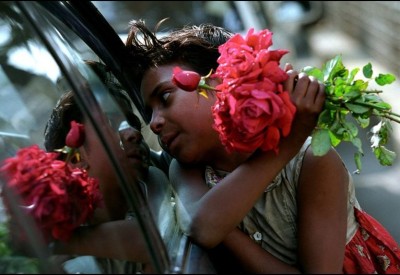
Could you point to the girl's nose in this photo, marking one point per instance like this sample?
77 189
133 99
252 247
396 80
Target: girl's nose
132 135
129 134
156 123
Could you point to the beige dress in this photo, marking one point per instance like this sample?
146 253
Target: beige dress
272 222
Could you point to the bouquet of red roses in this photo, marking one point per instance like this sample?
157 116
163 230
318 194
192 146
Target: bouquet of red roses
253 112
56 195
252 109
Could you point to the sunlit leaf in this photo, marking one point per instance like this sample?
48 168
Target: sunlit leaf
385 156
335 141
352 74
321 142
312 71
367 70
384 79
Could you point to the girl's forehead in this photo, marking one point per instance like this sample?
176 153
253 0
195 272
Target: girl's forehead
160 71
154 76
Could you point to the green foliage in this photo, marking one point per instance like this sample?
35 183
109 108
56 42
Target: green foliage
10 262
346 96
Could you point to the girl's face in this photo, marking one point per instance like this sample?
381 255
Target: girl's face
182 120
133 149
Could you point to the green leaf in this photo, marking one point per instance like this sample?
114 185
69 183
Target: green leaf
321 142
352 75
383 106
358 144
383 79
385 156
358 109
345 96
312 71
352 128
351 94
360 85
332 68
363 122
367 70
335 141
325 119
357 160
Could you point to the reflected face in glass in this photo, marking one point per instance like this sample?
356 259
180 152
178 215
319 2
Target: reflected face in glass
134 146
128 137
94 156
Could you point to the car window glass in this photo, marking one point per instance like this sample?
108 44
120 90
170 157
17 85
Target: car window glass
32 79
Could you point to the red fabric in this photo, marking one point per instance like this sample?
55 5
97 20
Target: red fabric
372 249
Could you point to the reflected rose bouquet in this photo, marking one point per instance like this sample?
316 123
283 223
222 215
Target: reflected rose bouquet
253 112
56 195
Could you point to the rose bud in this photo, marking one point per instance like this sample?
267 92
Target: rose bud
186 80
76 135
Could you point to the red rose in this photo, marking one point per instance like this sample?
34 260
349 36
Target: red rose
251 110
76 135
256 120
58 197
186 80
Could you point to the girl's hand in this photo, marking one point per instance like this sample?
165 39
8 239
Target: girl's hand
308 95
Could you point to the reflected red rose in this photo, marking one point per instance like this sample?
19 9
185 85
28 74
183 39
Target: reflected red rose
58 197
76 135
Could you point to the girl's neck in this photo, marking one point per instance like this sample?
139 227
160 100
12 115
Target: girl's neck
228 161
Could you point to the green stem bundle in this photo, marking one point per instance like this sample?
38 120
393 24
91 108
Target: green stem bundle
347 96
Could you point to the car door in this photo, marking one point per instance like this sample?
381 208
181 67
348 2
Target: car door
43 46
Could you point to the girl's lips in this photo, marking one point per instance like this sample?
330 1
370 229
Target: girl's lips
167 139
136 153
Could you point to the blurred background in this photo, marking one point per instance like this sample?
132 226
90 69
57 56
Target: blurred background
313 31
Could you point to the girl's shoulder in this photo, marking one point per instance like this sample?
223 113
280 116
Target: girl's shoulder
290 173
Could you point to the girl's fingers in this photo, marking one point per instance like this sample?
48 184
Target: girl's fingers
300 90
309 94
290 83
320 97
288 67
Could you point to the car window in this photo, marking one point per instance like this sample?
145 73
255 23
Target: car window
41 59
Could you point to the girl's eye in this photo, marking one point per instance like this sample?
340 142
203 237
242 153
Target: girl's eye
165 96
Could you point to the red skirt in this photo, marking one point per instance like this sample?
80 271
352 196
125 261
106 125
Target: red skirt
372 249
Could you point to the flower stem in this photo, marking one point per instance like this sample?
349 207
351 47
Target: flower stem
388 116
207 87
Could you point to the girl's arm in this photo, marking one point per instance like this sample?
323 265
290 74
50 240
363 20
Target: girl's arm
253 258
322 210
123 239
208 218
116 239
322 201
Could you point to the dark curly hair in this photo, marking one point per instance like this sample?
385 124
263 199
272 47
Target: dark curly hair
194 46
67 109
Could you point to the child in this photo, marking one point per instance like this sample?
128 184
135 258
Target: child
299 208
118 239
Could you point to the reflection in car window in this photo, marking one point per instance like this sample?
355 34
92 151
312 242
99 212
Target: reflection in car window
32 82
